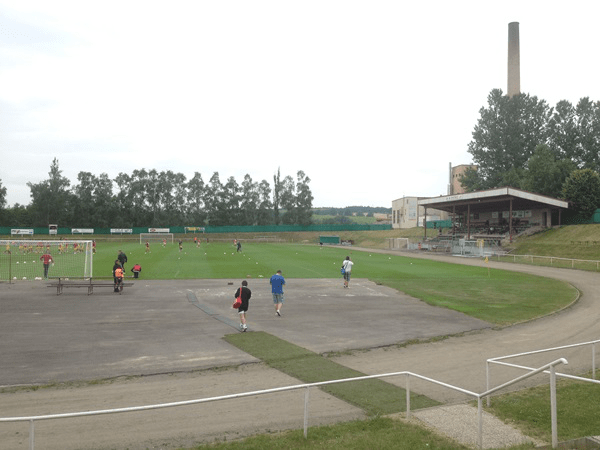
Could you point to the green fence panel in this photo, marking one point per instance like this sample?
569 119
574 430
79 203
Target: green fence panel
329 239
64 231
439 224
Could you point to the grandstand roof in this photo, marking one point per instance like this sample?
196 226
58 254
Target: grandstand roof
492 200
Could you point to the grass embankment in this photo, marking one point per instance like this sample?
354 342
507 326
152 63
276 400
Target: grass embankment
379 433
574 241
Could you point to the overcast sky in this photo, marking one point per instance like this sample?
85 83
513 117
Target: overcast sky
371 99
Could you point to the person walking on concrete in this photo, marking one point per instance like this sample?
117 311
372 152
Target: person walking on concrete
245 292
277 281
347 266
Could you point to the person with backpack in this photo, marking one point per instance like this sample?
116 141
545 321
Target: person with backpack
347 270
245 293
118 279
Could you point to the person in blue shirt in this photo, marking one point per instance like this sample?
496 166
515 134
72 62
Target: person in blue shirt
277 281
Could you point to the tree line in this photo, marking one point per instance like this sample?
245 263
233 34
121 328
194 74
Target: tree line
160 199
523 142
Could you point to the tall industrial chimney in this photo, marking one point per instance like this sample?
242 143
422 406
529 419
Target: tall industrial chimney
514 60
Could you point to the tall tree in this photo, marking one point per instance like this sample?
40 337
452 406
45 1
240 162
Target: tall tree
179 199
506 135
583 189
276 197
18 216
231 200
304 199
51 198
287 199
575 133
588 126
3 212
124 201
264 214
150 186
93 205
83 201
170 198
545 174
563 138
195 200
214 201
2 196
105 210
250 199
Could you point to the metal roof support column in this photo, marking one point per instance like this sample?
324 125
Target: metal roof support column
510 220
559 218
424 222
453 220
469 222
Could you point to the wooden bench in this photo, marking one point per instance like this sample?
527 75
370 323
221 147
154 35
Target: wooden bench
89 283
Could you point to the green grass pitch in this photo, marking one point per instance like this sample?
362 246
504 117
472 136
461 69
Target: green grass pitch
497 296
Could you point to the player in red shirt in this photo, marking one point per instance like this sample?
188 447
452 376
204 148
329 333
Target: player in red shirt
46 258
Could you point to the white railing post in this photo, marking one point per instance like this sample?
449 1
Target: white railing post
553 406
31 434
407 395
593 360
306 412
487 381
479 423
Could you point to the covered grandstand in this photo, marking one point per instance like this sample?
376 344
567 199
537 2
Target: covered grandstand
496 213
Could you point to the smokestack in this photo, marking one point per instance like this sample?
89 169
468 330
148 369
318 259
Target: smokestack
514 60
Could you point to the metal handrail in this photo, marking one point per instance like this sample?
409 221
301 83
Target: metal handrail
553 374
499 360
307 386
551 259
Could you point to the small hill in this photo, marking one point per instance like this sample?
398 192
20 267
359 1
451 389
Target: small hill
571 241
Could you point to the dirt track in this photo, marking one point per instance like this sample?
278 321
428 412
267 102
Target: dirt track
459 361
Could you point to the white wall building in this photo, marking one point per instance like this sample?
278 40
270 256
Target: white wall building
406 213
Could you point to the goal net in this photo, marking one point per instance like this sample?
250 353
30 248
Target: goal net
39 259
398 243
156 237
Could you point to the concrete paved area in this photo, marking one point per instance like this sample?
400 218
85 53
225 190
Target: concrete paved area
169 326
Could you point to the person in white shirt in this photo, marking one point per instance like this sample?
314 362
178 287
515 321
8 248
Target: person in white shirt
347 266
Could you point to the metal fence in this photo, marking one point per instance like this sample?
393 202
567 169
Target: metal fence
551 261
306 387
501 361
